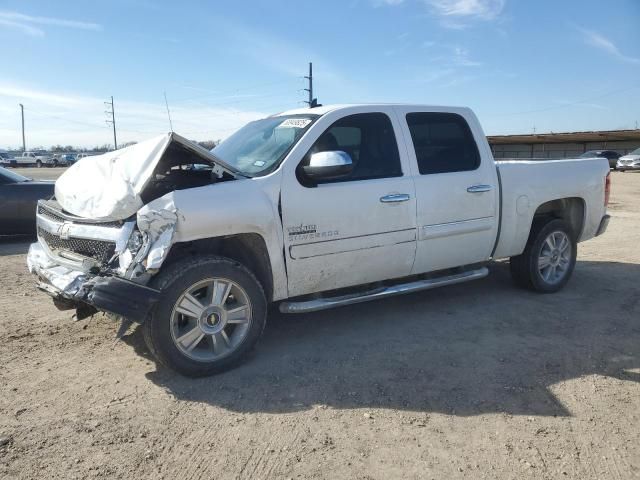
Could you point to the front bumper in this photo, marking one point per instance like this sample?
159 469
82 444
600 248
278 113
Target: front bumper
628 166
88 293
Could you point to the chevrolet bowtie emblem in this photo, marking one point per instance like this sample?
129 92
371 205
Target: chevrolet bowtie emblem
63 231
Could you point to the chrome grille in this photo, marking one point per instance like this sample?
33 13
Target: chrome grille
97 249
51 215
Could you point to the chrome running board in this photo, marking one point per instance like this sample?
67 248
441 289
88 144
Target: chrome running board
382 292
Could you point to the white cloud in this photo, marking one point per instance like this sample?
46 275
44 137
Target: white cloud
481 9
281 55
65 118
22 27
27 23
457 14
461 58
379 3
600 42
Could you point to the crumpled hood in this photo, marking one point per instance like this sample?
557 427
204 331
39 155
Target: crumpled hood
108 187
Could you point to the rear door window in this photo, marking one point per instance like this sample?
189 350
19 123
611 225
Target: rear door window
443 143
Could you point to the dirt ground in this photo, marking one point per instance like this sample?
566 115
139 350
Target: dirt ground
479 380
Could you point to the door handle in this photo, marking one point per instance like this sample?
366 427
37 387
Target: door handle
479 188
395 198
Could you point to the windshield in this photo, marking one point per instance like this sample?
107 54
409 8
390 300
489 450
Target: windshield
9 177
635 152
259 147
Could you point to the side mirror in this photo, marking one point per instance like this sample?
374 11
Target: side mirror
328 165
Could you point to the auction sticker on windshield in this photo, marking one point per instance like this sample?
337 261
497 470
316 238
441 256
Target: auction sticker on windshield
295 123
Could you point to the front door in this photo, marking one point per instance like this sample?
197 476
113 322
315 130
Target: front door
355 230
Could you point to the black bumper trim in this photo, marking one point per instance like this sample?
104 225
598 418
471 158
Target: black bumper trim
122 297
604 223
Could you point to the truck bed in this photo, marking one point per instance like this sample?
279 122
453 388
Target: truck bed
525 185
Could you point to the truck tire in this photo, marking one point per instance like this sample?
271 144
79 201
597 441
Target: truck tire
549 258
38 164
211 314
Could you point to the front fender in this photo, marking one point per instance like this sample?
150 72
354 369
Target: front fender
232 208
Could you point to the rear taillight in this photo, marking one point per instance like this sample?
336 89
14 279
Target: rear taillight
607 189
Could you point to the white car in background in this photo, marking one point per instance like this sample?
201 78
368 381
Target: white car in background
80 156
630 161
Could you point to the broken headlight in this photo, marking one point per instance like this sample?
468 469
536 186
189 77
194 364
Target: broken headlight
135 241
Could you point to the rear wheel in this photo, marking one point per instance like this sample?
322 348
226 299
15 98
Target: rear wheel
547 263
38 164
211 314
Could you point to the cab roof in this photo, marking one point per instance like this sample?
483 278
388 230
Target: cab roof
321 110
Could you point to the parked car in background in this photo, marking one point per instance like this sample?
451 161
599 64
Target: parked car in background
18 200
610 155
64 159
80 156
6 160
68 158
630 161
37 159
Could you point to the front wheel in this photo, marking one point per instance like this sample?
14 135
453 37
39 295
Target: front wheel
38 164
211 314
548 260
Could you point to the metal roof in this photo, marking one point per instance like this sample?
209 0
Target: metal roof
567 137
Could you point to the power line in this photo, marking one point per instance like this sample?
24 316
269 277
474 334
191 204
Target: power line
231 129
231 92
77 122
251 99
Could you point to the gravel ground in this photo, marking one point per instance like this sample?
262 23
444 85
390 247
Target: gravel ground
479 380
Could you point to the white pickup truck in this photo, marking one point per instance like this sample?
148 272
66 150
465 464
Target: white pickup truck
310 208
35 159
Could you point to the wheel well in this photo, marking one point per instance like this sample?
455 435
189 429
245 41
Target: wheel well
571 210
249 249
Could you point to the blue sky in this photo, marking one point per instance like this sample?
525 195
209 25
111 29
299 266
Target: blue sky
549 65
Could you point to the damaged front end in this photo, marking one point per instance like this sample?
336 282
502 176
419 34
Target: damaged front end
95 266
113 223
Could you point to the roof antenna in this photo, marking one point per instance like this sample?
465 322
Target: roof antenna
168 111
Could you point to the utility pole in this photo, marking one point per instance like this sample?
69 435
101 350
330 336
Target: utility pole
24 144
310 89
112 112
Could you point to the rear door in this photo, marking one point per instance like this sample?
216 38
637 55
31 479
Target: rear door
456 187
359 229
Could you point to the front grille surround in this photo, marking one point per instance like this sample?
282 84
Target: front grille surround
54 216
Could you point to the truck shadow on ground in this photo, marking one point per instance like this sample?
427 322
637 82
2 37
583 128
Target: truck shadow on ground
483 347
